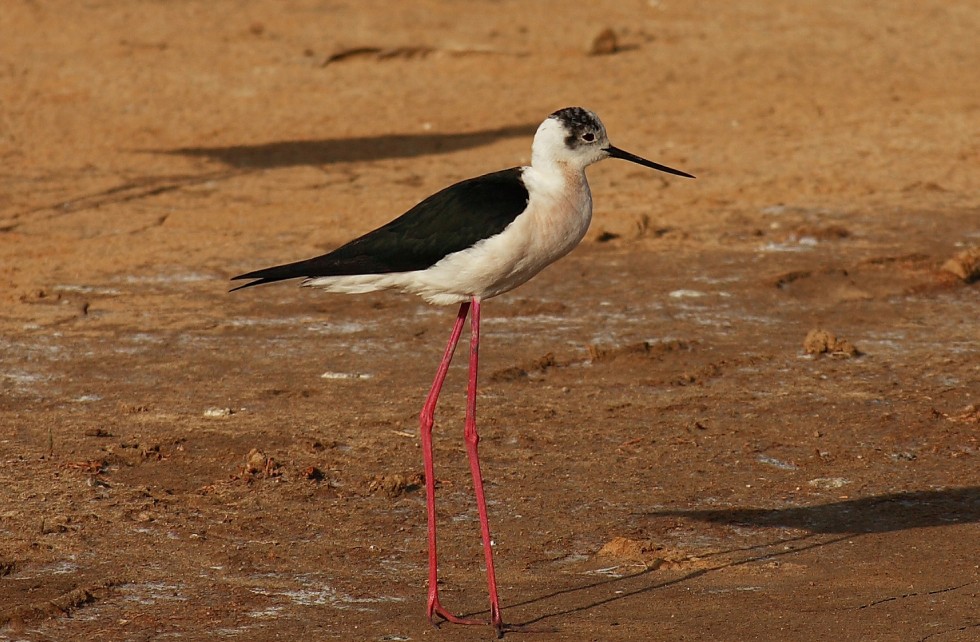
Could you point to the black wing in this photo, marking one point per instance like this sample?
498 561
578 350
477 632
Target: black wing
448 221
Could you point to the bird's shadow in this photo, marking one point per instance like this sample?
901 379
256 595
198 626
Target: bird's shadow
238 160
877 514
327 151
842 521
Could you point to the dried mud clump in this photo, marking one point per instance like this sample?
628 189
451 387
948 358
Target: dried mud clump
312 473
624 548
643 349
392 486
965 265
604 43
259 465
62 605
819 342
968 415
524 370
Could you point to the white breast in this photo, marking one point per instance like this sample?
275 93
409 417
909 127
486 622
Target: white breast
556 219
558 215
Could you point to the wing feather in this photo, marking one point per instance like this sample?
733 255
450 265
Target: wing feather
449 221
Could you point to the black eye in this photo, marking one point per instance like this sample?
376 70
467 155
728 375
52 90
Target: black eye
589 137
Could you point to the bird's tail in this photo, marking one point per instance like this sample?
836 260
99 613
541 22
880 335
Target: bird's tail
299 269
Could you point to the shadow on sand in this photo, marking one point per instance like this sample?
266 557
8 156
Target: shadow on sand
844 520
347 150
244 159
880 514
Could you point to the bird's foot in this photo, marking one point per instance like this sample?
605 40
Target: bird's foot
438 614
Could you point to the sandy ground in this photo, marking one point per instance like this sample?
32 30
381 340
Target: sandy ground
664 459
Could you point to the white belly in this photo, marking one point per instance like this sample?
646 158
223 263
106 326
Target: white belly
557 218
554 223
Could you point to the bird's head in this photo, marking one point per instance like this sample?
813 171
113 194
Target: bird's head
575 137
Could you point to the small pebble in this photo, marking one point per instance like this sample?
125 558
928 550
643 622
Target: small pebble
604 43
965 265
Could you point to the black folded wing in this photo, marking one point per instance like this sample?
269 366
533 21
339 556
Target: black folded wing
449 221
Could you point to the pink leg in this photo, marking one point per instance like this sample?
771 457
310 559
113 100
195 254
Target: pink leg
434 608
472 440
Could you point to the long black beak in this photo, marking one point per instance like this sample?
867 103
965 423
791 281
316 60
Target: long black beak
615 152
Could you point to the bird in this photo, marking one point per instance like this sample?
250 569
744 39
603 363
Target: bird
467 243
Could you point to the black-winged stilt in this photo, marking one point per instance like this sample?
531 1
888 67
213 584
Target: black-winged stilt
469 242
